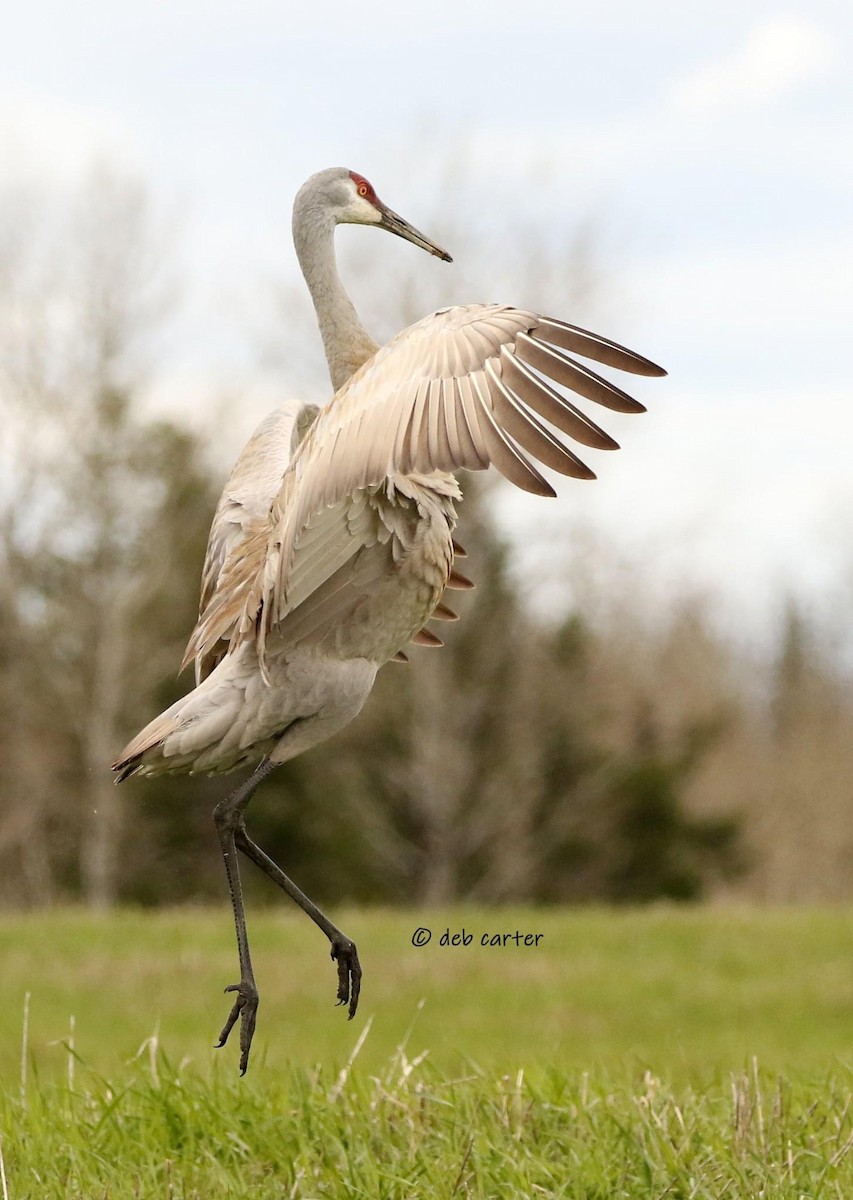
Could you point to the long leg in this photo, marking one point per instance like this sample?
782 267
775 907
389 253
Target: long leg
228 816
343 948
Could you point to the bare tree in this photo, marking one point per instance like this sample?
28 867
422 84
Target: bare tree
517 763
85 479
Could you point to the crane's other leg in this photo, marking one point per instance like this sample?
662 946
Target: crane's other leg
344 950
228 817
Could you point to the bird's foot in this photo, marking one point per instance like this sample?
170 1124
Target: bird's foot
246 1008
349 972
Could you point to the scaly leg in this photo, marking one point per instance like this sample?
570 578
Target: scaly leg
343 948
228 817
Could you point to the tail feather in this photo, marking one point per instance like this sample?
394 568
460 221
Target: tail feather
129 762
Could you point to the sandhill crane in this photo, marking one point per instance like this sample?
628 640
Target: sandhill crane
332 543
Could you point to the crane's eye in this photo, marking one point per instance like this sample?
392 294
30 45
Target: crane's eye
363 187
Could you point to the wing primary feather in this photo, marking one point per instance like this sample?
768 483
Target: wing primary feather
459 582
538 394
441 612
502 450
400 657
530 433
458 551
563 369
592 345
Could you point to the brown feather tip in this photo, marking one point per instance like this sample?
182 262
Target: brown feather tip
425 637
443 612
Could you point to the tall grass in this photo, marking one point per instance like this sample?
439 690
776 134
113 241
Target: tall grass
157 1129
639 1054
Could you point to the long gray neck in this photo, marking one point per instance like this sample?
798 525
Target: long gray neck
347 343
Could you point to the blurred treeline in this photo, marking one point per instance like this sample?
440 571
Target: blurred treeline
617 750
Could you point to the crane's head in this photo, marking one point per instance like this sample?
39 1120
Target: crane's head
351 199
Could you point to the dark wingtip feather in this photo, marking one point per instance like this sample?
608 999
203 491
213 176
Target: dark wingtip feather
553 361
594 346
124 770
652 370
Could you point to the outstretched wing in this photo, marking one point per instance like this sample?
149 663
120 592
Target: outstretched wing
242 514
464 388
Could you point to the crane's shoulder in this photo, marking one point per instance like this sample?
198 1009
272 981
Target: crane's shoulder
256 475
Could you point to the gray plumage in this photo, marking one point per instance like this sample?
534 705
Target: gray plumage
332 543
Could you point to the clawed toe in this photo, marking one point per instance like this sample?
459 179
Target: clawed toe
349 973
246 1009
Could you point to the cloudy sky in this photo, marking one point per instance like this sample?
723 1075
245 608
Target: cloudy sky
714 138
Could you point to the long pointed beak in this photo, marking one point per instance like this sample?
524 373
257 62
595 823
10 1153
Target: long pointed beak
395 224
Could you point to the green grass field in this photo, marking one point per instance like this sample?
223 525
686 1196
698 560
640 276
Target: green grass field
657 1053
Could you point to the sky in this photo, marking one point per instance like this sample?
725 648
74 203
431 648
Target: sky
714 140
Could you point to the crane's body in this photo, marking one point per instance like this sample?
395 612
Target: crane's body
332 543
320 661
